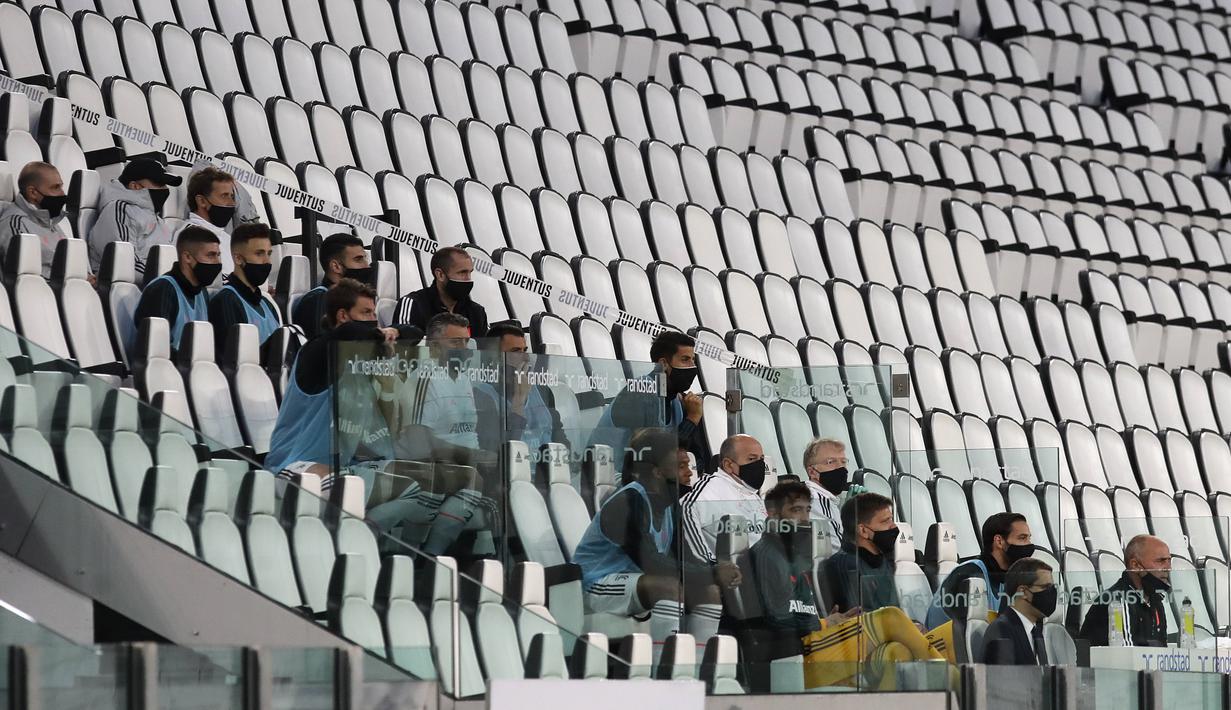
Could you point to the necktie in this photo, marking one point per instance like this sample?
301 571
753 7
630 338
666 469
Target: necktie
1040 649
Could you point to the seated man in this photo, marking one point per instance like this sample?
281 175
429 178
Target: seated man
180 295
303 439
38 209
732 490
211 206
515 409
132 211
782 567
1015 638
631 555
860 575
825 462
438 423
1005 539
452 281
342 256
675 353
1142 588
242 299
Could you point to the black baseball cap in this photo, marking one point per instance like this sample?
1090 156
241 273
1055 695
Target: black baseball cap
149 169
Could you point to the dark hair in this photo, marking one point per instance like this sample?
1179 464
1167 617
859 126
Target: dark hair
998 524
443 258
661 445
202 183
333 246
192 236
860 510
668 343
30 174
1023 573
496 331
343 296
248 231
783 493
440 321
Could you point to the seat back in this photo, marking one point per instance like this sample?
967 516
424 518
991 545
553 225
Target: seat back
151 358
529 511
312 551
128 456
34 305
209 516
351 535
350 611
914 590
256 405
209 393
19 424
495 633
1061 650
162 508
719 664
598 476
445 619
406 636
530 589
568 509
266 546
78 449
80 307
117 278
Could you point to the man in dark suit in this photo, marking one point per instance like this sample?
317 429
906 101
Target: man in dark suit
1015 638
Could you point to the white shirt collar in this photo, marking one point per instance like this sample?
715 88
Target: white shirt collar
821 490
1028 625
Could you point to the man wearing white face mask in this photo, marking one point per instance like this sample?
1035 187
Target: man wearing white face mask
132 211
37 209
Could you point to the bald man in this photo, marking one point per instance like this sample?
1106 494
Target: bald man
38 209
1146 579
734 489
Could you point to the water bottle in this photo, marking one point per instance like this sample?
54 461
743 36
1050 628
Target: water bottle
1188 627
1115 624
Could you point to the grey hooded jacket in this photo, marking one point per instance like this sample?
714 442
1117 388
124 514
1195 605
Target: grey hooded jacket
127 216
21 217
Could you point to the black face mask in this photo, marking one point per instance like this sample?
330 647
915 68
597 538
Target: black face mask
220 215
679 380
458 290
836 481
753 473
1018 552
257 274
54 204
796 539
1045 601
1153 584
885 540
206 273
363 274
158 197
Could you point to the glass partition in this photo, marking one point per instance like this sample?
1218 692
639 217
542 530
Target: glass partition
304 678
1203 691
69 675
1107 688
197 678
1024 687
324 544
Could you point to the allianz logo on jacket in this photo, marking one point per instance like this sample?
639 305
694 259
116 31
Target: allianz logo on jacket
798 607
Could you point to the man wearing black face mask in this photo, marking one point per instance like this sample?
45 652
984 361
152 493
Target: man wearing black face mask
1006 538
1015 638
732 490
132 211
676 356
449 292
211 206
38 209
180 295
515 409
828 480
342 256
241 300
1142 588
